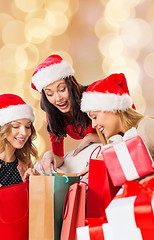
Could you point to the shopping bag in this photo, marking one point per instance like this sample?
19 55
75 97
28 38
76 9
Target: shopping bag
14 212
46 198
100 187
74 215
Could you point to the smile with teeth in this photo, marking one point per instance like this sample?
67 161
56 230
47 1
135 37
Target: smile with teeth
63 104
101 129
20 139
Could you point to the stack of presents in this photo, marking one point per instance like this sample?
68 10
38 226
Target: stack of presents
113 205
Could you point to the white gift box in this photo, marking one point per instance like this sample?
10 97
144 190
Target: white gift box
121 219
83 233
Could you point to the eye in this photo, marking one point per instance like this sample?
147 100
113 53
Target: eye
13 126
28 127
62 89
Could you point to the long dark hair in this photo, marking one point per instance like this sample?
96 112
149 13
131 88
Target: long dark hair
57 120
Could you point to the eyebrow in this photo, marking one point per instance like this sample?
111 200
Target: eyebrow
20 122
57 86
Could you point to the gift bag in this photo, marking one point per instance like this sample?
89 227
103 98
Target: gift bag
46 205
74 215
100 187
14 212
127 160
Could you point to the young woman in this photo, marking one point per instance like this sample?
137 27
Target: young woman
60 99
16 135
108 103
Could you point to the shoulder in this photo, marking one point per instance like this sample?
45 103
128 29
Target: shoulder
145 130
146 125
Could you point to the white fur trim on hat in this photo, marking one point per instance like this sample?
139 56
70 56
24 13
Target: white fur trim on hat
16 112
52 73
108 102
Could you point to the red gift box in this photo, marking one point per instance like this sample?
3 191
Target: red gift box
127 160
131 214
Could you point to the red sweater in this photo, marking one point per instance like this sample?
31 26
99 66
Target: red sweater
58 146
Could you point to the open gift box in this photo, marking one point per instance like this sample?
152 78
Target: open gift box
128 159
131 214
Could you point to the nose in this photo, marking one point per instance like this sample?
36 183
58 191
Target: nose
23 130
58 97
94 124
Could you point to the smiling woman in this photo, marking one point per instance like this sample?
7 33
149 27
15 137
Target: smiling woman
16 135
60 99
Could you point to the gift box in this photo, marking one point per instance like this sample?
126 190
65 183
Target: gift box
131 214
128 159
94 233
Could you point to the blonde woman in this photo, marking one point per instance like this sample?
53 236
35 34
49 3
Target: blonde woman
16 136
109 105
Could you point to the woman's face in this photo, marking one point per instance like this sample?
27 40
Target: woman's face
58 95
109 123
20 132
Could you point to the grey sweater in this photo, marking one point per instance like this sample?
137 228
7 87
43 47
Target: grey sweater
145 130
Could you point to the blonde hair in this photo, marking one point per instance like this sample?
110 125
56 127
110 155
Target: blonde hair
129 118
23 154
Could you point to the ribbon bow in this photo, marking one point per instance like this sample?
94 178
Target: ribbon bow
118 138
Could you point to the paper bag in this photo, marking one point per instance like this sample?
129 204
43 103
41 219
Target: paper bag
46 205
74 215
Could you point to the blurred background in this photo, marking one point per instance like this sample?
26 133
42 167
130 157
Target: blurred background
97 37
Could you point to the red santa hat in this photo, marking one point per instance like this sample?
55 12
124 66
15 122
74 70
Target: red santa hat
108 94
52 69
12 107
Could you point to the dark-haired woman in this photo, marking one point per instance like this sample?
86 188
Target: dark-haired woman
60 99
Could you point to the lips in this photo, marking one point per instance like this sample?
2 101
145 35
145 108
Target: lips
63 105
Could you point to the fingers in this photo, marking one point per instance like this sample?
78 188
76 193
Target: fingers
45 166
30 172
85 171
146 179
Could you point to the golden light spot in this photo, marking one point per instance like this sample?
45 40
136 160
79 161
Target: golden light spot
56 22
14 32
136 33
149 65
27 56
28 5
36 30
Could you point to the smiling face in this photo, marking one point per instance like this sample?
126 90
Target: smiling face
20 132
58 95
109 123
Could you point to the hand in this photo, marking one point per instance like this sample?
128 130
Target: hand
89 138
84 172
46 161
146 179
30 172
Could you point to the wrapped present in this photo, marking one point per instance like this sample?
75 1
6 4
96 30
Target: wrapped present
131 214
128 159
97 229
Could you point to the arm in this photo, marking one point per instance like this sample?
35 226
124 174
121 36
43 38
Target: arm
89 138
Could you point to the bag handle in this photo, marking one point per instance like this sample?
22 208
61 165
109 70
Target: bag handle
65 212
27 197
95 150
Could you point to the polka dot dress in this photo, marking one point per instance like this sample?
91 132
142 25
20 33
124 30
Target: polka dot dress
9 173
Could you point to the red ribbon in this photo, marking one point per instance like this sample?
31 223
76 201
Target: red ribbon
143 211
95 227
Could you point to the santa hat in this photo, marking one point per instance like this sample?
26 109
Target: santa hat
52 69
108 94
12 107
